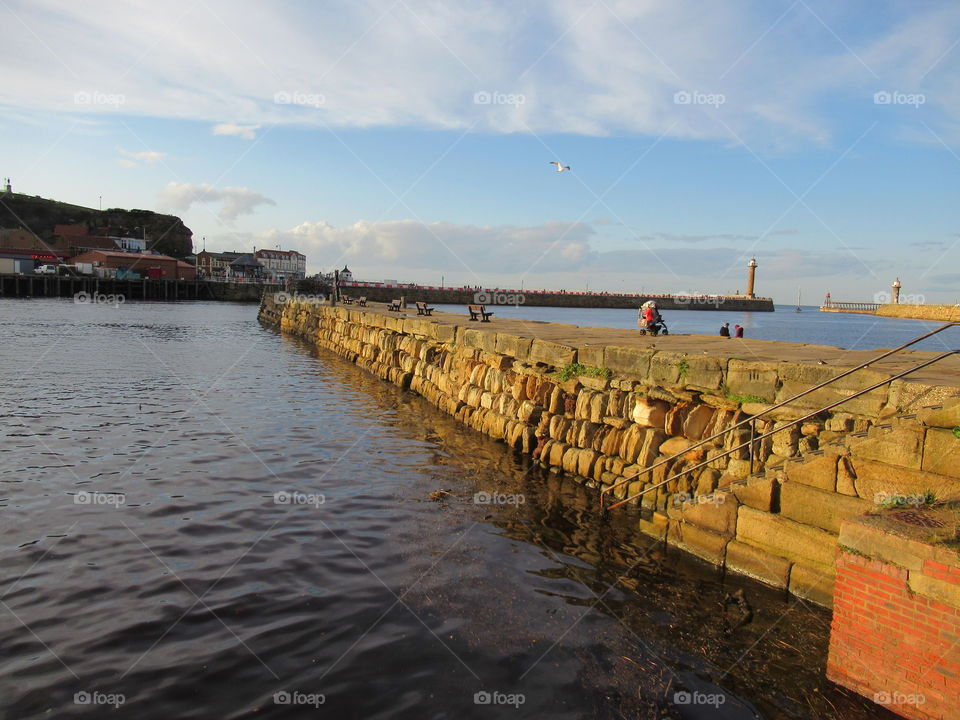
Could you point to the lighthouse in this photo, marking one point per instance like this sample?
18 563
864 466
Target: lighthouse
751 276
896 291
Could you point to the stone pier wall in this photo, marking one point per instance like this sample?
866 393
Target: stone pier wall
604 413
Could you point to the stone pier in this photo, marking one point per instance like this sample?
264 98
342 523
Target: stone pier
602 405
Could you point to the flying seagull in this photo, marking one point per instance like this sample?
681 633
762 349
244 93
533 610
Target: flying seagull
560 167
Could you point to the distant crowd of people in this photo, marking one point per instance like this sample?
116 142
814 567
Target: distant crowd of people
725 330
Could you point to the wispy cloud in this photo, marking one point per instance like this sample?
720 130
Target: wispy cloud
135 159
247 132
234 201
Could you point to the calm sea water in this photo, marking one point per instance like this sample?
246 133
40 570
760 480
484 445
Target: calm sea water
204 519
845 330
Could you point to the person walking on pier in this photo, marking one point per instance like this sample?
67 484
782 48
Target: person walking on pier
738 331
725 330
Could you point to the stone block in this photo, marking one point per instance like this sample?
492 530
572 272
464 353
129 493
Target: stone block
631 442
876 481
756 378
784 442
903 447
591 355
825 510
877 543
941 452
796 378
513 345
649 412
707 480
813 583
598 407
786 538
665 367
675 445
716 511
946 416
819 471
697 421
554 354
846 478
759 493
705 544
634 362
753 562
676 417
650 449
704 372
480 339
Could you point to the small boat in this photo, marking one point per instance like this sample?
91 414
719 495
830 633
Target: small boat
799 309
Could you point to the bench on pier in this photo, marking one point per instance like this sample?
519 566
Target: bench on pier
346 300
394 305
479 312
362 301
424 309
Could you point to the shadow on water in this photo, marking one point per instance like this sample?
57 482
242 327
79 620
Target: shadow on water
672 632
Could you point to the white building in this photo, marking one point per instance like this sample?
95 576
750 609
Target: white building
283 264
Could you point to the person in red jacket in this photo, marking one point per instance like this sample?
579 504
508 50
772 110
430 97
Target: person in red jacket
738 331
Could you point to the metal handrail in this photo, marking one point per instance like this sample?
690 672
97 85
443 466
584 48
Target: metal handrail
751 420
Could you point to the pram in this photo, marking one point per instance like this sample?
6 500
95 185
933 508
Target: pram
657 326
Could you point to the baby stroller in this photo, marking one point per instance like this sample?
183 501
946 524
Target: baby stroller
654 327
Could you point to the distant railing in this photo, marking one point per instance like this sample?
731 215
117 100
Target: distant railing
857 306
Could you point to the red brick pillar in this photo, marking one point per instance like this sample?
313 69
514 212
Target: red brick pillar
895 636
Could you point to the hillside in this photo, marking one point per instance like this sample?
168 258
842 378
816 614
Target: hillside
164 233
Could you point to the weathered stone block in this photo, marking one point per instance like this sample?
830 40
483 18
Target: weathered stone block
554 354
759 493
759 379
650 449
598 407
649 412
665 367
825 510
941 452
631 442
513 345
717 512
819 471
676 417
706 544
707 480
877 481
753 562
814 583
786 538
799 377
629 361
591 355
697 421
903 447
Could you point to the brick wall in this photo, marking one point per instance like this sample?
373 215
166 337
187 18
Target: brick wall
895 636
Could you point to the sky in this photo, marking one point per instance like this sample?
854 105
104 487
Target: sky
411 140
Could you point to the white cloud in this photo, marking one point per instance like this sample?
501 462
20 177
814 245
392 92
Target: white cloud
134 159
247 132
610 67
235 201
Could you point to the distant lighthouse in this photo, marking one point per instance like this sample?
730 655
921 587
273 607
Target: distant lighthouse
896 291
7 187
751 277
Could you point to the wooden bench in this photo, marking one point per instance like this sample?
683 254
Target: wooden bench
479 312
394 305
362 301
346 300
424 309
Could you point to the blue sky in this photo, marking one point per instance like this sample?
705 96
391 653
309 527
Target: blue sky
411 140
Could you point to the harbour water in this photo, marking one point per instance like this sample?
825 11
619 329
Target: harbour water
205 519
845 330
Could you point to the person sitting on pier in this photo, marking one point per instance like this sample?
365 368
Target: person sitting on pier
725 330
738 331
